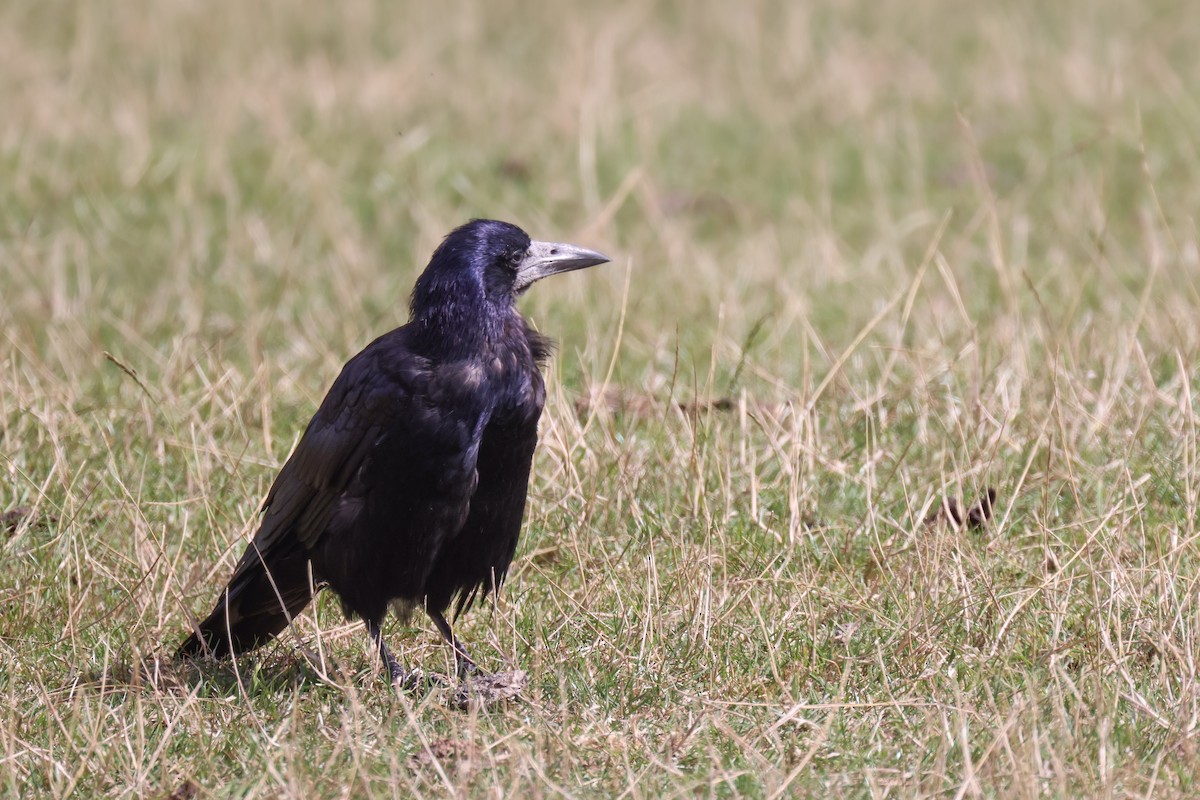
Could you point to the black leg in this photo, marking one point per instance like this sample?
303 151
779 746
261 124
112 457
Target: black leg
396 673
463 663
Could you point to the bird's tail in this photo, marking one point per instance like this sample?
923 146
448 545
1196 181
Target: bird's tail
261 599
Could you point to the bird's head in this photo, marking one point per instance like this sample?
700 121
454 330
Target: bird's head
493 262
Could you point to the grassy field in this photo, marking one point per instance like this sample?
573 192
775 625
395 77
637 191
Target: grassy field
870 259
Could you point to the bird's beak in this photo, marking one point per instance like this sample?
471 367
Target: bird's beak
544 259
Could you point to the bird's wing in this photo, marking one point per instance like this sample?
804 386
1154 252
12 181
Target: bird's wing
368 400
475 561
505 462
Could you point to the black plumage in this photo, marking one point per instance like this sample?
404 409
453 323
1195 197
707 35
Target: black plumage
408 487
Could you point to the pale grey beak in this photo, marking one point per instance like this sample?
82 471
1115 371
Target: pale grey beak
550 258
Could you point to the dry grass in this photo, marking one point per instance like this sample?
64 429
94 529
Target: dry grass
916 250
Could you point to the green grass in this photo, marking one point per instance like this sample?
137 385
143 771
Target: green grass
925 249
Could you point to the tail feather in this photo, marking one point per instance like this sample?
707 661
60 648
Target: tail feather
253 609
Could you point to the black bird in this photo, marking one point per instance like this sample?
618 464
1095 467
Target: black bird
408 488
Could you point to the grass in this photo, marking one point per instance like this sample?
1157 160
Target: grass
921 249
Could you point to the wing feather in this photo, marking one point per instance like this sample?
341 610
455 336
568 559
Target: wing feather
367 401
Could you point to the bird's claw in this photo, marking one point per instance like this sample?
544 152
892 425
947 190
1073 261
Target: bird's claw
465 669
412 680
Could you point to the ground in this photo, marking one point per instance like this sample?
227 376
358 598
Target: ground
870 260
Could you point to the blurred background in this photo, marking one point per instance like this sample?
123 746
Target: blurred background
867 256
173 168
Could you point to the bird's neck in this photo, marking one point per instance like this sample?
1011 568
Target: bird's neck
461 327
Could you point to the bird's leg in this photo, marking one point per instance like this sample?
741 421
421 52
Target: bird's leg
406 679
464 665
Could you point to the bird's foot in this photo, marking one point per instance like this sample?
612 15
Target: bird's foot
486 688
406 680
414 680
464 667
